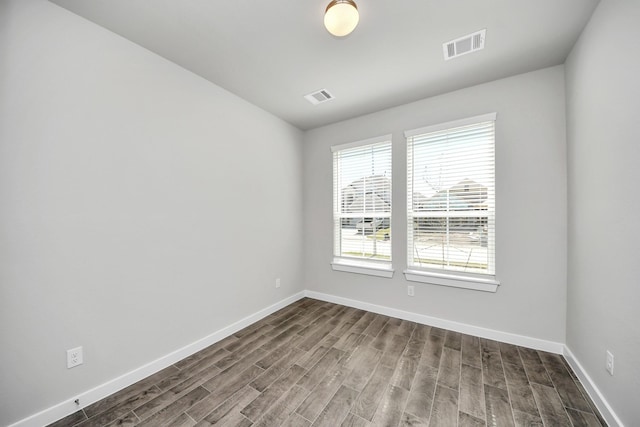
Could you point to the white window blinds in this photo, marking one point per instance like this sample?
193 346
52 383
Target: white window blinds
362 200
451 196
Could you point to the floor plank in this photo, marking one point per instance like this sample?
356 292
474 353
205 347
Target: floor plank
206 364
363 366
281 366
376 325
408 365
231 408
497 406
354 421
534 367
550 406
471 351
183 420
394 350
222 390
282 410
349 322
174 410
519 390
368 400
260 405
123 408
315 402
314 355
466 420
296 420
453 340
492 369
471 392
422 391
410 420
128 420
569 393
433 349
337 409
449 375
319 370
586 419
445 408
526 420
510 354
391 407
109 402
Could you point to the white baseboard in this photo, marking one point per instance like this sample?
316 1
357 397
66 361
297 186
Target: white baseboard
521 340
68 407
594 393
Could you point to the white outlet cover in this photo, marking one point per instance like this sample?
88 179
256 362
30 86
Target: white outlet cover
74 357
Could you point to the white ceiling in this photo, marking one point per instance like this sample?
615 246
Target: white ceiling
271 53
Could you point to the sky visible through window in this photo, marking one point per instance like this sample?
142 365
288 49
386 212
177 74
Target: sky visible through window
446 166
354 167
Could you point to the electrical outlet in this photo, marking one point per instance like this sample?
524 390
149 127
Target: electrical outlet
411 291
74 357
278 282
609 363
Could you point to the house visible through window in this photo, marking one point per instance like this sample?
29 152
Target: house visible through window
362 203
451 198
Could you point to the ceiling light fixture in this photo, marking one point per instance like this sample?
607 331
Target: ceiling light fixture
341 17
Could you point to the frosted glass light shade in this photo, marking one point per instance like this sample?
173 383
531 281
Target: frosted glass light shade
341 17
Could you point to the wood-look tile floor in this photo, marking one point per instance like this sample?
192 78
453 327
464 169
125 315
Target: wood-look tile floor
320 364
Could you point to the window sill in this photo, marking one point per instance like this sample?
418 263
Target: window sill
465 282
363 267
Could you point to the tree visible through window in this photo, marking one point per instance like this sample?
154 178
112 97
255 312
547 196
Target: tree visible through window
451 196
362 200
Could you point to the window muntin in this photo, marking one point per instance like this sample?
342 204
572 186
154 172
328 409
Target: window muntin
362 200
451 197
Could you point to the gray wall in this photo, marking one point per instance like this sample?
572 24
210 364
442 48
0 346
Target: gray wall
531 207
603 103
132 206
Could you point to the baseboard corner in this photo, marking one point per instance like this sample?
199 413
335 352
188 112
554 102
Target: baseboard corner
592 389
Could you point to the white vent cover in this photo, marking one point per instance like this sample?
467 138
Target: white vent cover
463 45
319 96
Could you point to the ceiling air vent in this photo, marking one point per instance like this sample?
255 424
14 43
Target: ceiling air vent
463 45
319 96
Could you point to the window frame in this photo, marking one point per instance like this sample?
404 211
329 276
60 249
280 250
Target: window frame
372 267
476 281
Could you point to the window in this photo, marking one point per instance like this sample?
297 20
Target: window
451 203
362 206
